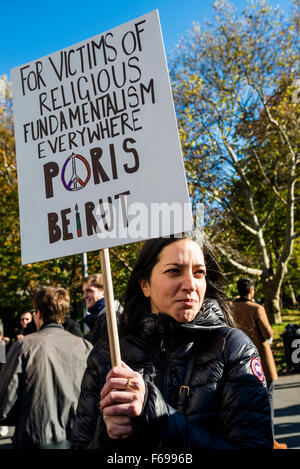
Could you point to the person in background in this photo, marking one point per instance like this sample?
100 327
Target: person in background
71 325
25 320
2 350
4 341
186 380
251 318
93 294
40 381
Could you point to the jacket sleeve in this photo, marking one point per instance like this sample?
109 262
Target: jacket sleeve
263 324
10 384
244 421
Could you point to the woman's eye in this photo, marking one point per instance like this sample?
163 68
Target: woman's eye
174 270
200 273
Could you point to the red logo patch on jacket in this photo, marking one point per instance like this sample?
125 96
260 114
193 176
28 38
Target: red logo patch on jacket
257 369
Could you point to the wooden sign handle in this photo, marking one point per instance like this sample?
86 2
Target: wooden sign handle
114 345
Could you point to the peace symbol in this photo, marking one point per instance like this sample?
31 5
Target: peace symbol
75 175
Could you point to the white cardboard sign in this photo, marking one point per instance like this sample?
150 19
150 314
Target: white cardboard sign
98 153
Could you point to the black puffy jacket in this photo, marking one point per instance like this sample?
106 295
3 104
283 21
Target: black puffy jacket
227 406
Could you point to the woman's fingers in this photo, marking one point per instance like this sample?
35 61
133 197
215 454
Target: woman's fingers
120 372
118 426
120 420
122 383
121 403
125 379
123 393
123 365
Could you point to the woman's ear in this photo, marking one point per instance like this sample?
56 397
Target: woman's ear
145 286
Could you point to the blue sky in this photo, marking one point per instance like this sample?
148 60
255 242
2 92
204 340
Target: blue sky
33 28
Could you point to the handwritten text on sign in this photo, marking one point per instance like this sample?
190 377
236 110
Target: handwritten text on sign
96 135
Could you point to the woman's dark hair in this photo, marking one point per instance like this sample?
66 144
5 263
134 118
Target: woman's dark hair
136 304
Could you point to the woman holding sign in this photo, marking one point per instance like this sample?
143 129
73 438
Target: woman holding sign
189 379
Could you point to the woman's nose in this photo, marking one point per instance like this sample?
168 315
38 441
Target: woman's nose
188 282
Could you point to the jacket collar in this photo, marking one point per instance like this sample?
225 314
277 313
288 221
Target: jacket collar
97 307
52 324
210 317
243 299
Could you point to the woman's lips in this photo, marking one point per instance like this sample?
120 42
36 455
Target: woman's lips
188 301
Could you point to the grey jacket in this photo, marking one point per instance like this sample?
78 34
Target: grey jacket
40 385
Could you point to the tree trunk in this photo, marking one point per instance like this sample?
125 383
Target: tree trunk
272 302
293 296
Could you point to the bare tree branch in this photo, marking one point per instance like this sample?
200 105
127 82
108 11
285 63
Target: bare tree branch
227 206
268 214
267 179
271 119
241 267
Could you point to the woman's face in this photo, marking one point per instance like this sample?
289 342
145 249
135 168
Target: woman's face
177 284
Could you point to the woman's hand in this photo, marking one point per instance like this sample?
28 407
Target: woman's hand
122 397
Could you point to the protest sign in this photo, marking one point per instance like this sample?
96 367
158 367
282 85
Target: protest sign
98 154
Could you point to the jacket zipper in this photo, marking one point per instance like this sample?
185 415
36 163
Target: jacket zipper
163 362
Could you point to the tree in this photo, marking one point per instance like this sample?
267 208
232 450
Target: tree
233 83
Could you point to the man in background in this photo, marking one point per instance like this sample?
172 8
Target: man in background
40 381
252 319
93 294
25 320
